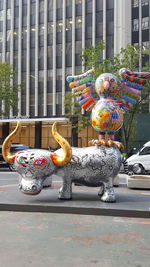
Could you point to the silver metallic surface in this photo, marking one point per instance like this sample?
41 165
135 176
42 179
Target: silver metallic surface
94 166
34 167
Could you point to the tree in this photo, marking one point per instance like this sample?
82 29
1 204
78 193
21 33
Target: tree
127 58
78 120
8 90
92 57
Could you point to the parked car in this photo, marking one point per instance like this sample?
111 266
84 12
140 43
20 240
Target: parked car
14 149
139 163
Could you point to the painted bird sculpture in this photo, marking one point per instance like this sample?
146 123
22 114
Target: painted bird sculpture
116 96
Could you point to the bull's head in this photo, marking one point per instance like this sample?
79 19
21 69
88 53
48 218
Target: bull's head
35 165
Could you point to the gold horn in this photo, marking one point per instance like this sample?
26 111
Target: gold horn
7 144
67 151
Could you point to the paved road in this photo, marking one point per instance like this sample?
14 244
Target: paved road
7 177
53 239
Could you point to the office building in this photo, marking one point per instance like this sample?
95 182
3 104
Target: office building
43 40
141 27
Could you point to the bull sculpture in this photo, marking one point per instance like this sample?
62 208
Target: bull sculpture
94 166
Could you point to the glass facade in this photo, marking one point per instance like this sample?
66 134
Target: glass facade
140 25
44 41
141 36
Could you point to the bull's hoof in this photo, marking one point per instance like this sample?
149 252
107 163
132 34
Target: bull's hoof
64 195
108 143
108 196
64 198
47 186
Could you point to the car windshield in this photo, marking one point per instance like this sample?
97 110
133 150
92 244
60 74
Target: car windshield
145 151
15 147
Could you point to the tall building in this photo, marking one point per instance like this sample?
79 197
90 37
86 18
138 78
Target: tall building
43 40
141 27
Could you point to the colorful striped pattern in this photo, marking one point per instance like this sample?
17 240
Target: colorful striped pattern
135 77
83 85
131 93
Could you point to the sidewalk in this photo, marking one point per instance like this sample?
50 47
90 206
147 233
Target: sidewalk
49 232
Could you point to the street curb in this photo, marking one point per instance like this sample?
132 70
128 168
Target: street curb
75 210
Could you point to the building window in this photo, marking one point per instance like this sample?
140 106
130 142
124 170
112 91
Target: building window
1 40
68 30
50 33
109 15
16 3
16 17
41 56
145 2
49 98
59 55
68 54
32 59
1 5
78 53
99 24
145 45
59 38
136 45
88 30
32 13
135 25
78 28
32 39
50 14
41 35
99 5
78 7
24 38
135 3
88 6
145 23
23 60
7 56
32 100
1 15
58 98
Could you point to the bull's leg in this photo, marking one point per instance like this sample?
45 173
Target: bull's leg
109 194
101 190
47 182
65 192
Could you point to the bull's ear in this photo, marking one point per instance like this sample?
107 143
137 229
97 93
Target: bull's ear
67 150
7 144
60 160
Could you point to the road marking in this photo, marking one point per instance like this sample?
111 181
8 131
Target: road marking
145 194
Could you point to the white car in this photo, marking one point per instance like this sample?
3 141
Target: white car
139 163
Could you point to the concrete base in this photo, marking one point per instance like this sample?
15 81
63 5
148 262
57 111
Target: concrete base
129 203
138 181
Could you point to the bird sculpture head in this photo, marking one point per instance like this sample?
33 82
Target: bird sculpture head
107 85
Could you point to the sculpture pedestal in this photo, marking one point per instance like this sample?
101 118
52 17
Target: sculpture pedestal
138 181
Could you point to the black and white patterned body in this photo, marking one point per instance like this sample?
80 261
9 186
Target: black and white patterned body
94 166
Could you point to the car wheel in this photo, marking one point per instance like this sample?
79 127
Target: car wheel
138 168
12 168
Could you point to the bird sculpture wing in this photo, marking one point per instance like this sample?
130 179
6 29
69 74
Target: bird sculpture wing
131 86
83 87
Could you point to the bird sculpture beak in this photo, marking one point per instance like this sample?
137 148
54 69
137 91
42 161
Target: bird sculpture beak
106 85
